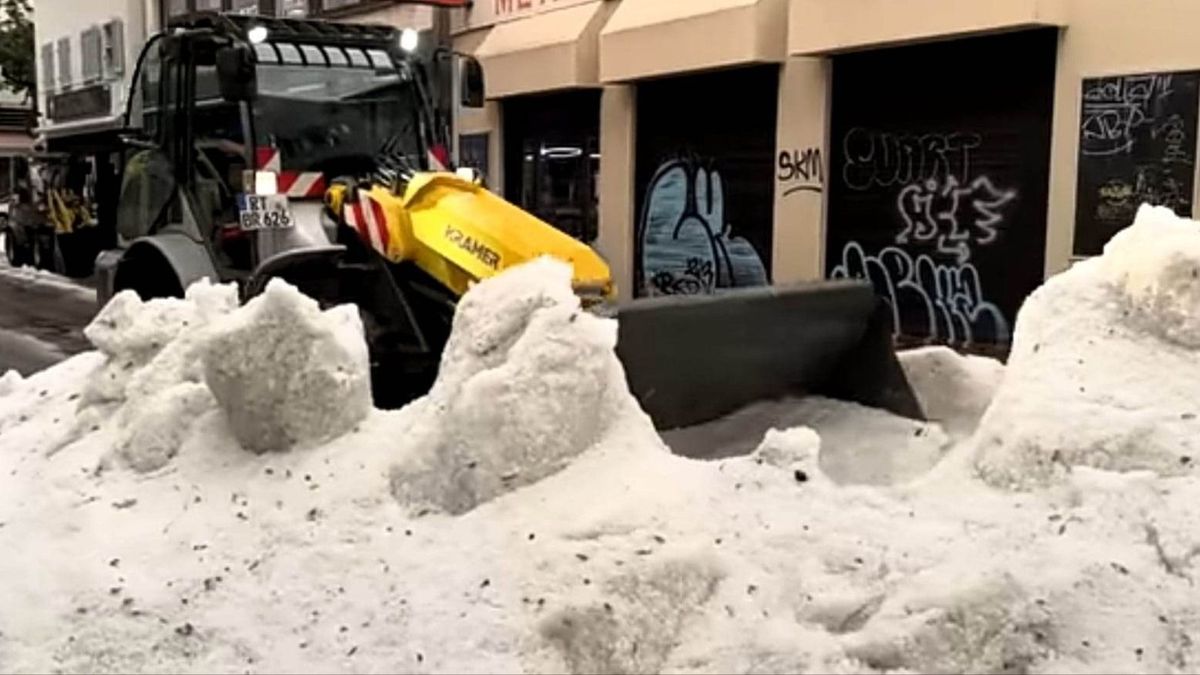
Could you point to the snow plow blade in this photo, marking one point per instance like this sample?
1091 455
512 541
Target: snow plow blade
693 359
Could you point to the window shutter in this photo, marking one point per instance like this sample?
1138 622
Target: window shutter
48 66
90 54
64 62
114 48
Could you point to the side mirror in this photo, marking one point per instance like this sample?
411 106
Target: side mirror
472 83
236 75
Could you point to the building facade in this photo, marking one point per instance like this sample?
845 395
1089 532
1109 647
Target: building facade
16 140
954 153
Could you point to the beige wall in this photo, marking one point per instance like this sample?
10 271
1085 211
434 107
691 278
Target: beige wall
647 38
618 135
824 26
1107 37
799 242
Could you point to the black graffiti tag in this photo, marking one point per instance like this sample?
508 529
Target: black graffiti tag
801 171
879 159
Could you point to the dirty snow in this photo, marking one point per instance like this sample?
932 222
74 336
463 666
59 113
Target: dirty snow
953 389
27 274
1105 364
605 552
286 373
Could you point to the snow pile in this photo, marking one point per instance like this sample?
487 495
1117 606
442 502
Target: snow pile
603 554
151 381
953 390
1105 366
527 382
1157 262
284 372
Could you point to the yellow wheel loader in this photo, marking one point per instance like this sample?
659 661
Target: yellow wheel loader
307 151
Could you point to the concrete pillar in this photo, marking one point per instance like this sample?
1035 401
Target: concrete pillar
618 134
801 170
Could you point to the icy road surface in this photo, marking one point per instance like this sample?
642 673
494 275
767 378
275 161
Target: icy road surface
41 318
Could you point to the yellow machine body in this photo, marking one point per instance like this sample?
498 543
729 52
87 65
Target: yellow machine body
459 233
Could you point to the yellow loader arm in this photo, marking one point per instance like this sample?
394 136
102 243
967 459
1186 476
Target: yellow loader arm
460 233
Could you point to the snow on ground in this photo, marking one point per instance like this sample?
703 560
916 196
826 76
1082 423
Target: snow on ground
953 390
27 274
581 544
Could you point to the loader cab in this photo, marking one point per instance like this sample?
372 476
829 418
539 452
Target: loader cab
234 127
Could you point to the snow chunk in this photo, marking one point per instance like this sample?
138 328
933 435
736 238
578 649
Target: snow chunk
9 382
798 447
1157 262
528 381
153 345
286 373
153 436
1102 373
953 390
129 326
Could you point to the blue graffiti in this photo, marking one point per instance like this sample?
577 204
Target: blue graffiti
687 247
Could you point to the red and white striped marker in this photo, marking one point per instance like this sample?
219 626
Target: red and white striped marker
294 184
368 220
438 158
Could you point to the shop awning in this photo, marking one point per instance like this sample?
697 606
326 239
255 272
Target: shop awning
553 50
827 26
657 37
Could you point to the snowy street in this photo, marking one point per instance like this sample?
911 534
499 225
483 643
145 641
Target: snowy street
211 490
41 318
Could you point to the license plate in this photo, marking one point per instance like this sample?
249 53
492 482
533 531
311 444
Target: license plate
265 212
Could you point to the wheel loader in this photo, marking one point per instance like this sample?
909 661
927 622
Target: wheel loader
305 150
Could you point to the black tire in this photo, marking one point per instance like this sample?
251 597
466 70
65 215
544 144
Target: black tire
147 273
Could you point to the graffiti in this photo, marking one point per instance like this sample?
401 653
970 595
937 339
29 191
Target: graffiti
1117 198
883 159
687 247
1115 107
1175 137
802 169
925 297
951 215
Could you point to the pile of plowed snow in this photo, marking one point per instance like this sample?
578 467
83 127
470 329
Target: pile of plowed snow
525 516
1105 366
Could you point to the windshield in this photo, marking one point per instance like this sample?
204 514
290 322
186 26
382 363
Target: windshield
335 118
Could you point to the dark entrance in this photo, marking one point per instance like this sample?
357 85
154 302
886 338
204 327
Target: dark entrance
940 179
552 158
